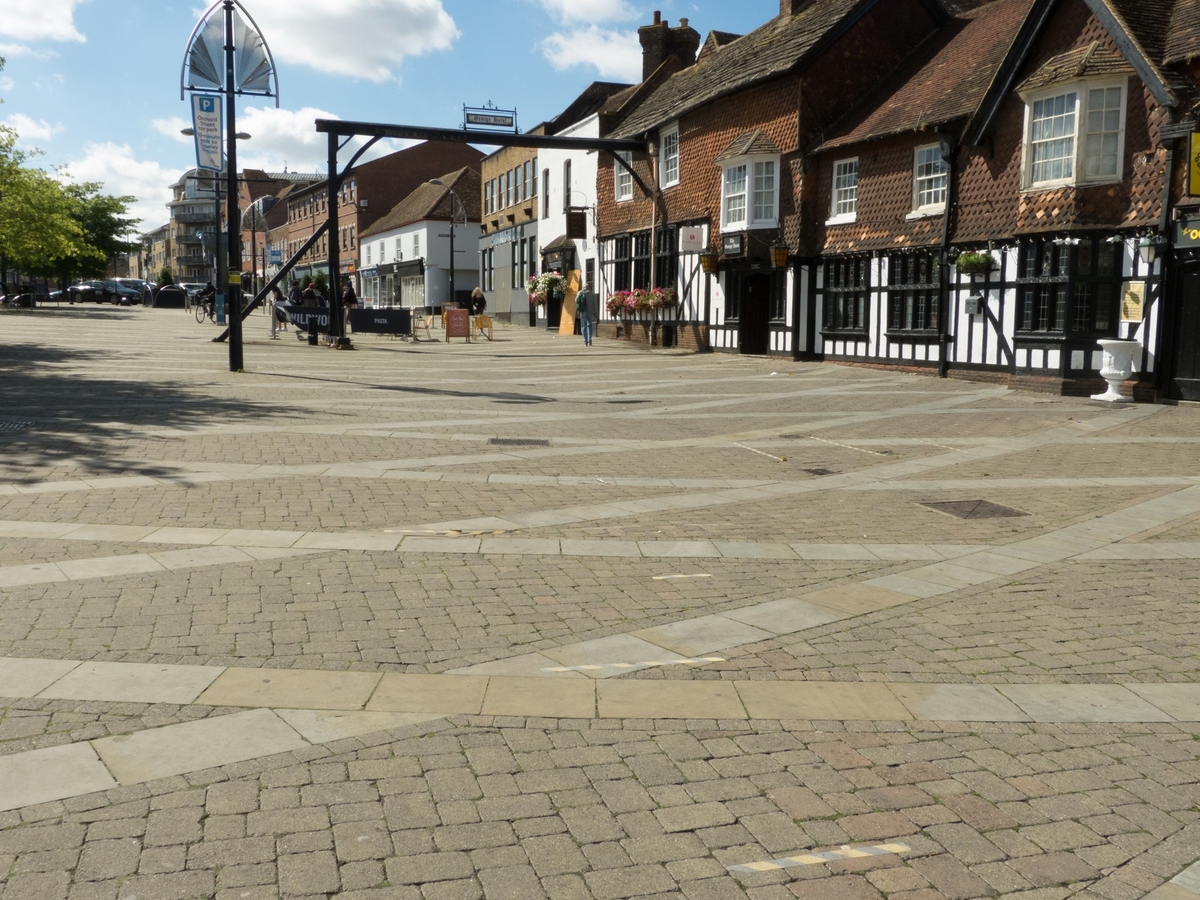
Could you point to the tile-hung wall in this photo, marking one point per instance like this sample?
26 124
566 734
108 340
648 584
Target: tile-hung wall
1039 312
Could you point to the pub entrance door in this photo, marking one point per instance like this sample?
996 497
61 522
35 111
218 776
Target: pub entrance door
755 338
1185 373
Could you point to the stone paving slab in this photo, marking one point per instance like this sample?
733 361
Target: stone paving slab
1082 703
138 683
705 634
55 773
192 746
290 688
29 677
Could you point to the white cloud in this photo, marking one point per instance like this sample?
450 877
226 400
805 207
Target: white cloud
569 11
615 55
360 38
280 137
6 83
171 128
119 171
40 20
11 51
30 130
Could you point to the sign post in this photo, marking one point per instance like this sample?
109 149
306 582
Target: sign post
209 131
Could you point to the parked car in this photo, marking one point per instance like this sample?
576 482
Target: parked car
103 291
144 288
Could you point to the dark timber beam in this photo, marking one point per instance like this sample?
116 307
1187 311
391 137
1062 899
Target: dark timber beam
464 136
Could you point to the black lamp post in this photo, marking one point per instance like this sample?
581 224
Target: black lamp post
208 67
454 196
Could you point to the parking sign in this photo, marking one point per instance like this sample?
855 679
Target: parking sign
206 122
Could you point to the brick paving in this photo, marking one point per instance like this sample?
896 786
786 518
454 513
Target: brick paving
609 808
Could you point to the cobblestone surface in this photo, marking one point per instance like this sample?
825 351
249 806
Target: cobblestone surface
476 807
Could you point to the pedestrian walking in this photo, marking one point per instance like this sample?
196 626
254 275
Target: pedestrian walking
587 307
349 298
278 316
294 293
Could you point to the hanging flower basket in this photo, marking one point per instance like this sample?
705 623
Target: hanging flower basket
975 263
542 286
624 304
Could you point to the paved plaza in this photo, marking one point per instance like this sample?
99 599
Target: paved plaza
524 619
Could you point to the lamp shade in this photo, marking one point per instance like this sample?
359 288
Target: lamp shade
708 262
779 255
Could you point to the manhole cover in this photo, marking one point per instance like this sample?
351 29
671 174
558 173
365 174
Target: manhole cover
820 471
519 442
14 427
975 509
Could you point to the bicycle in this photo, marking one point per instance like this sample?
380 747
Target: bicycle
204 309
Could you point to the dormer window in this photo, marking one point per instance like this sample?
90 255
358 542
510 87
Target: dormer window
1075 124
750 183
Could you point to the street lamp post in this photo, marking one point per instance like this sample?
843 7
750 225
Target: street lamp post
454 196
208 68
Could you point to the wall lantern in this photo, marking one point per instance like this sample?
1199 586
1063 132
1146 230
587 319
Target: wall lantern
779 255
1148 248
708 262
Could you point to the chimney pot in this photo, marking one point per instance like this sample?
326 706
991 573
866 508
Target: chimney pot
657 17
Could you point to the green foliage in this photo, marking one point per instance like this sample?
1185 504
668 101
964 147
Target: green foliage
51 228
165 277
321 283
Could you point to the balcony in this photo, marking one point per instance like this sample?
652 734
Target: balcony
194 218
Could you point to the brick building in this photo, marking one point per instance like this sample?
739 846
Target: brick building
367 193
877 142
1037 134
727 129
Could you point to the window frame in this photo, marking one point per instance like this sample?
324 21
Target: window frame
920 210
669 137
913 305
1082 89
856 291
843 218
750 164
622 180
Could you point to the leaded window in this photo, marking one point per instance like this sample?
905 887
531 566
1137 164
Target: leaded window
914 288
846 283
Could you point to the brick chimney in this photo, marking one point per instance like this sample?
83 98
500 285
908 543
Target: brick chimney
791 7
659 41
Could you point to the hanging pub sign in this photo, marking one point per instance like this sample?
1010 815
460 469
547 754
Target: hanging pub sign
1187 231
490 119
733 244
691 239
1194 165
577 224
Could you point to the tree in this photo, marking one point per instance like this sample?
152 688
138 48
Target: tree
106 227
165 277
36 222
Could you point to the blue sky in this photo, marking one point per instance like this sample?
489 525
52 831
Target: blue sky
94 84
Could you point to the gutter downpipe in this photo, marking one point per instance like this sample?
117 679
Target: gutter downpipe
655 196
950 154
1166 349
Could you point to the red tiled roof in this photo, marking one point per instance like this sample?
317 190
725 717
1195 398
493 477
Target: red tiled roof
944 81
1183 35
767 52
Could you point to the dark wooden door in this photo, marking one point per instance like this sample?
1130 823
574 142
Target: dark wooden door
756 314
1185 380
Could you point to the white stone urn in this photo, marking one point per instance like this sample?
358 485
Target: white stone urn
1118 365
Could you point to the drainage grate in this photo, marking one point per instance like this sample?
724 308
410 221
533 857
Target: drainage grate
14 427
519 442
975 509
821 472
